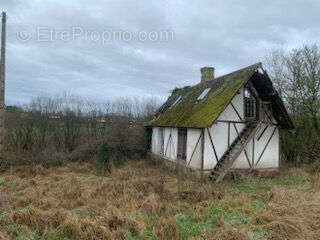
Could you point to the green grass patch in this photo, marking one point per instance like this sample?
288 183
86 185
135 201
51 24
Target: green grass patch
237 218
147 235
188 225
257 234
214 214
291 181
256 205
255 186
2 180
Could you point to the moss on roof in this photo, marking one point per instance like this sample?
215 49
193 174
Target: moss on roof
200 114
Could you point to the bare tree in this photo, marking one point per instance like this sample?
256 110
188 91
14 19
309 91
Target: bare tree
65 122
297 77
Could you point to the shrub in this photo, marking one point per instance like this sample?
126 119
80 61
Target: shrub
85 152
52 158
104 157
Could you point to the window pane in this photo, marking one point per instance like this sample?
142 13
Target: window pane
176 101
204 93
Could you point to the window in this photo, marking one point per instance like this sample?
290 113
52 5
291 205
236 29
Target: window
176 101
161 141
249 105
182 143
203 94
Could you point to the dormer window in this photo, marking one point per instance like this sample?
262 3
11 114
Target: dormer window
203 94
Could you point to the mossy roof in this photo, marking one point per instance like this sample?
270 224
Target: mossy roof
201 114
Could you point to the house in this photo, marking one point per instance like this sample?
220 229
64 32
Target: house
222 124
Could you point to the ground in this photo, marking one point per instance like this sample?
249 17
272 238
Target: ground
140 200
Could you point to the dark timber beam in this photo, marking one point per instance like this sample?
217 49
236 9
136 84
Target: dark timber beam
227 121
236 111
265 147
262 132
245 151
194 149
202 152
165 153
214 149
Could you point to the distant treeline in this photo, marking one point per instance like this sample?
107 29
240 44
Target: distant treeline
51 127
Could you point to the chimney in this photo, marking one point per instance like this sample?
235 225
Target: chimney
207 74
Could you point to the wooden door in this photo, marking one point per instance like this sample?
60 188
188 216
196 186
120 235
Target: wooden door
182 143
161 140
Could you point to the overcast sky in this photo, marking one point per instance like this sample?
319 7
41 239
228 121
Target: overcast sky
103 49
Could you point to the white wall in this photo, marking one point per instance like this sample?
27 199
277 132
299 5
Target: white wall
192 139
155 145
229 113
219 133
170 144
270 157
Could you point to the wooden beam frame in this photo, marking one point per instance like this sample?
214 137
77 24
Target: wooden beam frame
212 144
236 111
228 135
252 160
202 152
245 151
165 153
194 150
230 121
173 146
280 150
242 85
266 113
265 147
262 132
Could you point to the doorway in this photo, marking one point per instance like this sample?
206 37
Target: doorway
182 143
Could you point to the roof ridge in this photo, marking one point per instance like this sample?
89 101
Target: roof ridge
239 70
259 64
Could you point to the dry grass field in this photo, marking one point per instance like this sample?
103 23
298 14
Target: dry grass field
143 201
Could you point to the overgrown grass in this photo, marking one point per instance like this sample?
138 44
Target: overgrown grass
140 200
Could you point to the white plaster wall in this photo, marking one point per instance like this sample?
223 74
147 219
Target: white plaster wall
219 133
192 139
174 143
270 157
155 146
241 162
170 144
209 156
229 113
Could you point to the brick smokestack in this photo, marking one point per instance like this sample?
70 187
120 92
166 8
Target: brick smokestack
207 74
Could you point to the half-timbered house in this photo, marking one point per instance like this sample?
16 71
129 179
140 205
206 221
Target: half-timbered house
227 123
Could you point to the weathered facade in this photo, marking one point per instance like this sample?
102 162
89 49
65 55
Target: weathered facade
231 122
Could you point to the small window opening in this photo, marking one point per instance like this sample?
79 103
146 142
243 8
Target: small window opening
203 94
250 105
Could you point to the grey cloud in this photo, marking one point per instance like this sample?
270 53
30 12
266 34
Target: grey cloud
225 34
